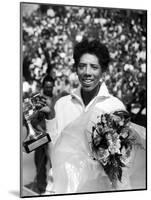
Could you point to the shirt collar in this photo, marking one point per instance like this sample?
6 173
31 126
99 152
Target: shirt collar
103 92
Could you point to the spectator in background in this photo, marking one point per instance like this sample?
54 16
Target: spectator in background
41 158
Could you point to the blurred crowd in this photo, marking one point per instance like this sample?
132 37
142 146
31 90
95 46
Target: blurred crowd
50 32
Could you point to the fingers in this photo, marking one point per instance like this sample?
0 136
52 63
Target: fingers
45 109
50 102
49 111
38 101
40 104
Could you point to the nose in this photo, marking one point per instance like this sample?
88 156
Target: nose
88 70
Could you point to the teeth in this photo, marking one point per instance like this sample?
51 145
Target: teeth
87 81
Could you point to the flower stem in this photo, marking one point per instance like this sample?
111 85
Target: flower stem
114 184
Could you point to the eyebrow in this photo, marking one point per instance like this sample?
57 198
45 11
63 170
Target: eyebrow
89 64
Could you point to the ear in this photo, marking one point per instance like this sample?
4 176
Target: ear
75 68
104 75
102 79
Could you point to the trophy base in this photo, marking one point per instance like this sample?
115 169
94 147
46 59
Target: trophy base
33 144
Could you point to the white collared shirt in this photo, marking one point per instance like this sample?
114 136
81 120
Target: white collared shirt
70 107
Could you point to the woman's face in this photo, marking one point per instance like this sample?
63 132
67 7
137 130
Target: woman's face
89 71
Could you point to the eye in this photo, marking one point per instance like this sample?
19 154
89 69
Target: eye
81 65
95 67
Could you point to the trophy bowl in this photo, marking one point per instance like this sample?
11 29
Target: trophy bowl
35 138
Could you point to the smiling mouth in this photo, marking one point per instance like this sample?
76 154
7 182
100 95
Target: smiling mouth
87 81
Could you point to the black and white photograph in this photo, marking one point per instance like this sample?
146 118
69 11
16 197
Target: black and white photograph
83 88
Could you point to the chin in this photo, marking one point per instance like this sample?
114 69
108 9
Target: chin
87 89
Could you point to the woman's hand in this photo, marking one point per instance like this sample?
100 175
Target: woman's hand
48 109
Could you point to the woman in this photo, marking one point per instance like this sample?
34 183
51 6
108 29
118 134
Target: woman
70 124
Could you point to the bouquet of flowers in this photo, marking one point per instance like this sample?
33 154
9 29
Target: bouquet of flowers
111 143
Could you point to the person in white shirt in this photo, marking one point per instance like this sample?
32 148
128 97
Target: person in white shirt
70 120
91 62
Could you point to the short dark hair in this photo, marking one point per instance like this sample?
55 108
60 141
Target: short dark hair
47 78
94 47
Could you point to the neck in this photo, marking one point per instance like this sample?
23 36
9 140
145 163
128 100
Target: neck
87 96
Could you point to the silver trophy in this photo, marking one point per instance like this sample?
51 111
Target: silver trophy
35 138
